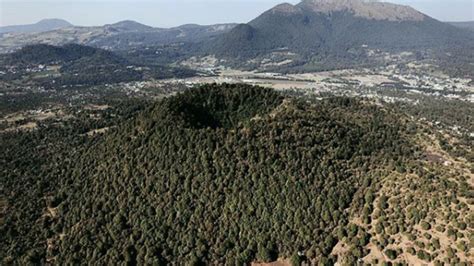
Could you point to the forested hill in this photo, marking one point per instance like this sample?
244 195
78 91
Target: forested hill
220 174
78 65
234 174
333 27
49 54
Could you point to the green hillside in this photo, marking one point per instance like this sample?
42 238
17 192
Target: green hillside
218 174
78 65
334 39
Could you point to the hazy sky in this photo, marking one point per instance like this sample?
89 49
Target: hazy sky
166 13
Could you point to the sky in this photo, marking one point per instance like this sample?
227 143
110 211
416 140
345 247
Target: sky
168 13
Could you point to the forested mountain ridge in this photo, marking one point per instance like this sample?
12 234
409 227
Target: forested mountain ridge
129 25
230 174
49 54
465 25
74 64
335 30
70 64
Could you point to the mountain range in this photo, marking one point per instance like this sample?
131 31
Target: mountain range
118 36
312 33
336 27
41 26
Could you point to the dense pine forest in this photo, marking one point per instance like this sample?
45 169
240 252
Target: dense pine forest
324 132
218 174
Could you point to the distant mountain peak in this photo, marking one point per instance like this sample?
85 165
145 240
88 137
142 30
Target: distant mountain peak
41 26
330 29
285 8
128 22
369 9
130 25
56 21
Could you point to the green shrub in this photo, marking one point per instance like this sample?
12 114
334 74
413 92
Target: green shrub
462 226
440 228
427 236
462 246
420 244
295 260
411 250
423 255
425 225
391 254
